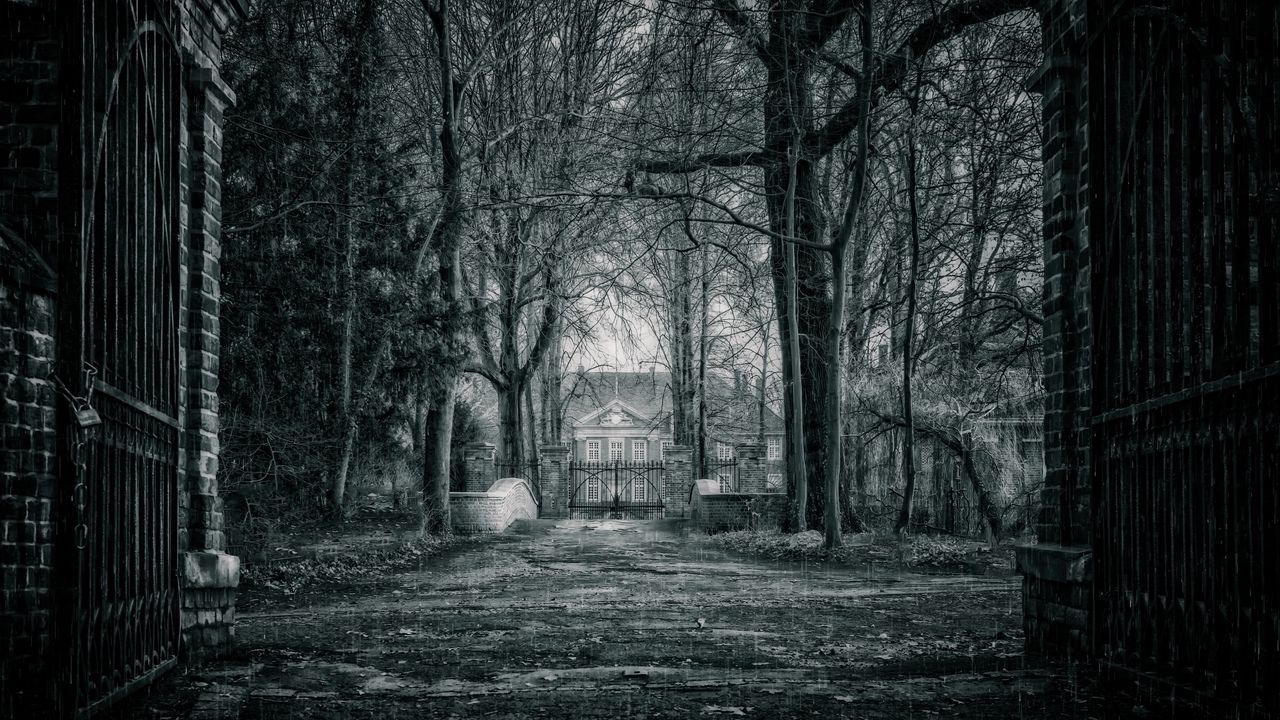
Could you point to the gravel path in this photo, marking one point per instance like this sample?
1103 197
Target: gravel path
629 619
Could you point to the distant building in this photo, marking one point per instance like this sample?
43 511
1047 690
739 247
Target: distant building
627 417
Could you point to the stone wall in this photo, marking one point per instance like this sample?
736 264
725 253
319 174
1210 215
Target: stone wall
713 511
492 511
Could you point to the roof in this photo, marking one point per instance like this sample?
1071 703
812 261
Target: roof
648 394
730 410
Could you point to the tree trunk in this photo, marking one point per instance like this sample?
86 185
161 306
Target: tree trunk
704 346
511 451
793 394
435 490
790 190
831 516
760 385
346 416
839 288
908 333
552 379
986 507
352 100
686 427
435 497
534 464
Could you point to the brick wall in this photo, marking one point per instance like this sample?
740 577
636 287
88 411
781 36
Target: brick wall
492 511
713 511
27 486
30 109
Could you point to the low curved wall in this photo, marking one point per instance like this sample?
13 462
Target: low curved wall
491 511
713 511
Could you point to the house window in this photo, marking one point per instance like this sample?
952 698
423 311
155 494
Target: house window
638 490
640 450
666 445
593 489
615 449
775 448
774 481
726 484
593 451
724 451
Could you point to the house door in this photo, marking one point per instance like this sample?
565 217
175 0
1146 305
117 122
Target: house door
1185 340
119 353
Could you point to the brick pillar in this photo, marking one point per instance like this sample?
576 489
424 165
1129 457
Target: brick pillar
554 470
478 468
1062 82
1057 573
751 468
209 576
677 479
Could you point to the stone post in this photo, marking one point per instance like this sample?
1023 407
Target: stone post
751 468
478 468
554 470
677 480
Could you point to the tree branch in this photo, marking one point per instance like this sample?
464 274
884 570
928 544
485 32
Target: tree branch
737 158
892 69
825 18
741 26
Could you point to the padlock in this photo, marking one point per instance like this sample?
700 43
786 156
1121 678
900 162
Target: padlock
87 417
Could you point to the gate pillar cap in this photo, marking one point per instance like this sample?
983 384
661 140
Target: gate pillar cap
1055 563
210 569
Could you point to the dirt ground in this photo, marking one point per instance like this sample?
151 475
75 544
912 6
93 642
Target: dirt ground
630 619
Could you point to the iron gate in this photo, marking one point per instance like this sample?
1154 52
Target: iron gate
1186 341
118 350
615 490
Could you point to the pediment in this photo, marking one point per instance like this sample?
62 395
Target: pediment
613 414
